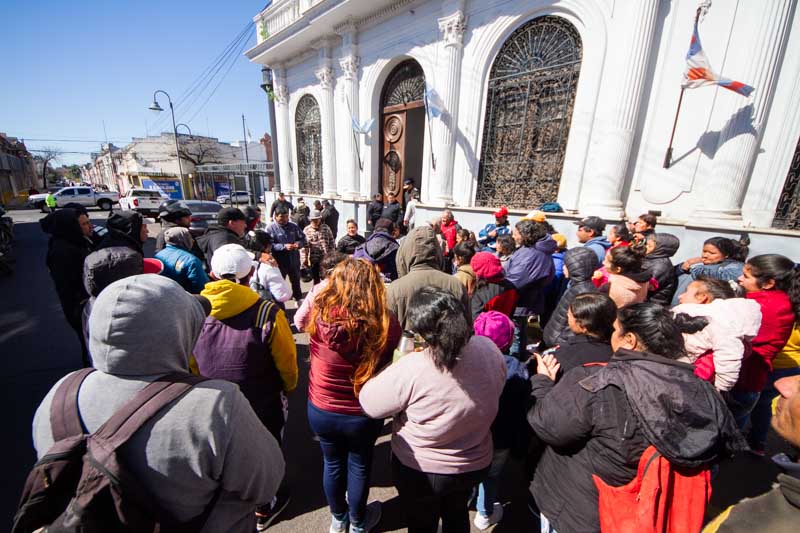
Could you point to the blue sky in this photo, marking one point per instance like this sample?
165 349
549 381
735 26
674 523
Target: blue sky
70 65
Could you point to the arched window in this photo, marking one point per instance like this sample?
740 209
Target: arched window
309 145
531 94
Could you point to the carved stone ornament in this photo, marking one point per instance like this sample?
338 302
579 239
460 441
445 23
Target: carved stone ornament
453 28
349 66
325 77
281 94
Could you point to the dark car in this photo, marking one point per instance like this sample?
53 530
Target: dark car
204 215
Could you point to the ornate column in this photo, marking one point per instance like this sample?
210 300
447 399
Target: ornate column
325 76
721 196
281 95
602 188
452 27
349 63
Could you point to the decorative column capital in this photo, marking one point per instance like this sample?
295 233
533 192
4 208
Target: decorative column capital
325 77
349 66
281 93
453 28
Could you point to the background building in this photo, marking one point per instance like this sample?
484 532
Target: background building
17 171
534 101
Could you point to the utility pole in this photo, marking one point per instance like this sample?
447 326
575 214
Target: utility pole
250 184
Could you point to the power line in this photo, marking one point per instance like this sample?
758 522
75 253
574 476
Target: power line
92 141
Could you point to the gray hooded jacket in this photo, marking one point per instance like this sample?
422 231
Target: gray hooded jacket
208 438
419 259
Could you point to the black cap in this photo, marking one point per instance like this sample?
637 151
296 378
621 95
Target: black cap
408 182
594 223
229 214
172 210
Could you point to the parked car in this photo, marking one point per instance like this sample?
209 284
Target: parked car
85 196
144 201
204 215
237 197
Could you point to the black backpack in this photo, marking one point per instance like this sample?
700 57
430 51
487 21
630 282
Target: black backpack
81 485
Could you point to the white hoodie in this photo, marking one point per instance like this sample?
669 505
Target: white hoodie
270 277
730 322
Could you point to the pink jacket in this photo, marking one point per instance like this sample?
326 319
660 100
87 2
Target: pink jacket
303 314
627 291
731 323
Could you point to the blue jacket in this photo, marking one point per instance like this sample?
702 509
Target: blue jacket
599 245
183 267
283 235
530 270
487 242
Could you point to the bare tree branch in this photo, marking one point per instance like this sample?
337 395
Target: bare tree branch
200 151
48 154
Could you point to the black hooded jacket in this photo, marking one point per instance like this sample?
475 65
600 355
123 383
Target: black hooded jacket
66 252
330 216
581 264
374 210
599 420
124 229
659 264
215 237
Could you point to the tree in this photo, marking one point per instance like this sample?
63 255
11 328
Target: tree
48 154
74 173
201 151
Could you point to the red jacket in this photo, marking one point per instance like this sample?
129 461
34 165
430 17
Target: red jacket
334 360
449 231
777 319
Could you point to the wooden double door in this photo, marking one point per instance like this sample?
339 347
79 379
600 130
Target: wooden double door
403 140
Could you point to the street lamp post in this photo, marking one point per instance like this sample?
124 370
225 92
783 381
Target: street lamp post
185 126
157 108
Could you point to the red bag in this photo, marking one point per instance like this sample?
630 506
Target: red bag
704 366
660 499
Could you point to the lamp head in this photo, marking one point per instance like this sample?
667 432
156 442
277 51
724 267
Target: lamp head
155 107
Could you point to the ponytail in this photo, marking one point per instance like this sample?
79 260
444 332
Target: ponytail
627 258
783 271
690 324
735 250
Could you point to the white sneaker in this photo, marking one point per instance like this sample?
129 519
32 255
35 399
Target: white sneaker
485 522
338 526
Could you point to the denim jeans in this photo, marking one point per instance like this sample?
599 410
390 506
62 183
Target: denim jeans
519 346
347 443
487 490
426 497
741 403
761 416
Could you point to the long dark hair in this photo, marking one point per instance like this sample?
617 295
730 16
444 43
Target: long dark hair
654 327
628 259
439 318
720 289
783 271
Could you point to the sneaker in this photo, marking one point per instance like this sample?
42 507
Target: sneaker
338 526
485 522
265 516
371 520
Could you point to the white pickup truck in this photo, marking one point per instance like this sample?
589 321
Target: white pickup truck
144 201
85 196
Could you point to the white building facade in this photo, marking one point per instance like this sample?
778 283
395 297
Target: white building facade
535 101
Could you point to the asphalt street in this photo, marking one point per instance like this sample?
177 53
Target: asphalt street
38 347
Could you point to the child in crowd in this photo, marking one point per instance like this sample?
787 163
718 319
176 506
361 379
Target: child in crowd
462 255
619 235
773 281
628 280
717 350
579 265
491 291
505 247
722 258
467 236
510 421
659 248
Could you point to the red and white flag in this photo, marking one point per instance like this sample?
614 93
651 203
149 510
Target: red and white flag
699 73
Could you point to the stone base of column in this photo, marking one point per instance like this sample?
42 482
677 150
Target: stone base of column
729 218
613 211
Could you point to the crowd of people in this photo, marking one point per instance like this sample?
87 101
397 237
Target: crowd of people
618 379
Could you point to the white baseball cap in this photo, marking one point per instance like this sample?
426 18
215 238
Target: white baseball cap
231 259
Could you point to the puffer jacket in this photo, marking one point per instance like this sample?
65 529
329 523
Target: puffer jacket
347 244
660 267
335 356
184 267
629 288
599 420
418 261
581 264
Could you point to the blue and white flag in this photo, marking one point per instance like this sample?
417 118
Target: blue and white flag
364 127
433 102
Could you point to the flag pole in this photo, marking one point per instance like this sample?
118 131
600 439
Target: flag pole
668 155
355 137
430 130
